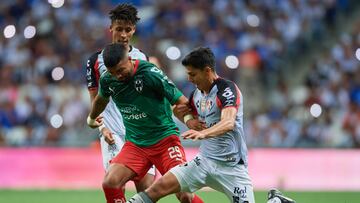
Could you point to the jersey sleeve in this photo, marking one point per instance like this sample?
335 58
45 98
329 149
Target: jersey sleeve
192 103
104 88
163 85
228 95
92 72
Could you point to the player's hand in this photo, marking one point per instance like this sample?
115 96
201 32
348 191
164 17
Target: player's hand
196 124
193 135
108 136
94 123
181 109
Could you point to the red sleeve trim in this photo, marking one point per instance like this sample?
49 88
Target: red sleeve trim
238 98
218 103
136 65
194 111
97 72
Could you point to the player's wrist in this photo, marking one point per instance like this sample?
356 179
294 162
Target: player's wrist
101 127
188 117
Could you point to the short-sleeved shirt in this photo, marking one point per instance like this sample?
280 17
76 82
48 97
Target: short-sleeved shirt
143 101
231 146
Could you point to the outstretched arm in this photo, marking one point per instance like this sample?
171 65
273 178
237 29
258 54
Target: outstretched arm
227 123
183 112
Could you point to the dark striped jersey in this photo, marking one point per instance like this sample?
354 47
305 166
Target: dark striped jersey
231 146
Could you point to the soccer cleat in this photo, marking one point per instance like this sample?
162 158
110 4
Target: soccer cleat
275 196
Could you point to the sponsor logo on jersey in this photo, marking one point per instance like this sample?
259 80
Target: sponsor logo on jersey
135 116
139 85
209 105
229 95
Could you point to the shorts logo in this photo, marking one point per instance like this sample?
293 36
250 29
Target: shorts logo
197 161
241 191
139 85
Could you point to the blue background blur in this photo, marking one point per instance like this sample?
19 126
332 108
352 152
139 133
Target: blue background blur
297 63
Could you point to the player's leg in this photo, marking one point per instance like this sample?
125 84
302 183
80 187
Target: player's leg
188 177
234 181
146 181
114 180
108 152
130 163
167 154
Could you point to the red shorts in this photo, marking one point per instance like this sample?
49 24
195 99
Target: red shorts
165 155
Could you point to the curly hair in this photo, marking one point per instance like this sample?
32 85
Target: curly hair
125 12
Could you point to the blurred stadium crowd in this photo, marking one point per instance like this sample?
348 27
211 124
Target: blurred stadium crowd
45 44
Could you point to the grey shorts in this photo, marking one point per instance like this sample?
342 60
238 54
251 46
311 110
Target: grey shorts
233 181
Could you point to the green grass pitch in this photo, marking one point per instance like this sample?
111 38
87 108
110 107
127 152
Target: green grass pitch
96 196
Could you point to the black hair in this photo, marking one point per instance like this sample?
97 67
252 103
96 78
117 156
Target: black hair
200 58
125 12
113 54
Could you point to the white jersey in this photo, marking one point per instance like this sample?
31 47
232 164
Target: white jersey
112 117
230 147
222 161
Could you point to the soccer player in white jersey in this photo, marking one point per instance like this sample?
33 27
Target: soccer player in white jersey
222 161
123 25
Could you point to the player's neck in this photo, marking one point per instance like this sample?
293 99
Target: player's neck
210 83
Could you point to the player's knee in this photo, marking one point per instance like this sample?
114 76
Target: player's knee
111 181
184 197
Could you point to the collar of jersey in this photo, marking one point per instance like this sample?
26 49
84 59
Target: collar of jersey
136 65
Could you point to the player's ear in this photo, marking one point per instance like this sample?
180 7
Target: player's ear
207 69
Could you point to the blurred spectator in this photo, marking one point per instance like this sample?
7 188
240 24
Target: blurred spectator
261 34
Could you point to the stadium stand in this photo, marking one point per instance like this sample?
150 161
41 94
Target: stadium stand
44 101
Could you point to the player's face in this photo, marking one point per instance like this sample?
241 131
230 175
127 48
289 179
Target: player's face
197 77
122 32
123 70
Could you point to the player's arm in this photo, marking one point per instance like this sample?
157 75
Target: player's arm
166 88
227 123
181 108
92 76
98 106
186 114
92 79
106 132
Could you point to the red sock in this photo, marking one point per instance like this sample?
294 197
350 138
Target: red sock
196 199
114 195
